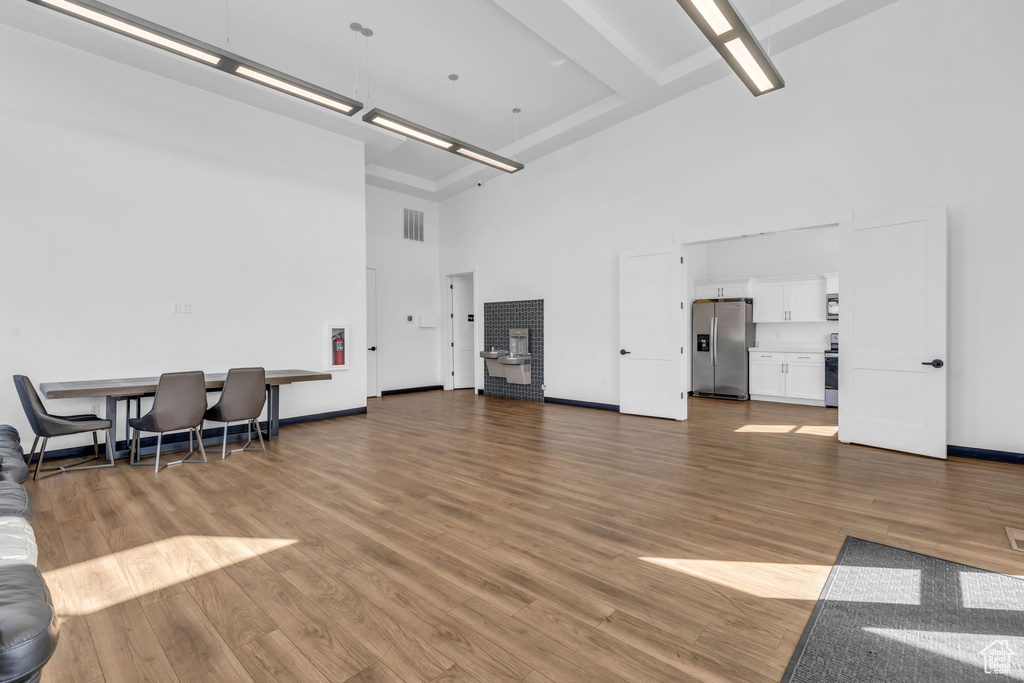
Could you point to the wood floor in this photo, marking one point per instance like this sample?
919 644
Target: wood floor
453 537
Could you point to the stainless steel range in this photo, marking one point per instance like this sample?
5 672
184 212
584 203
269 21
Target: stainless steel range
832 372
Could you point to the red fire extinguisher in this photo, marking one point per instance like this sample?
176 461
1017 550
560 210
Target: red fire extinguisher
339 348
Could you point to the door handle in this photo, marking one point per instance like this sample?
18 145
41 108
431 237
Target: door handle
623 352
372 348
937 363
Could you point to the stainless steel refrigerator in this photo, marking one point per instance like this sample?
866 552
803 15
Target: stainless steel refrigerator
722 333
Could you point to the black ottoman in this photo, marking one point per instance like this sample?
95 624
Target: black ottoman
14 500
13 468
29 635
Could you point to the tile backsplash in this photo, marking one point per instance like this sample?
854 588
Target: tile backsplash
501 316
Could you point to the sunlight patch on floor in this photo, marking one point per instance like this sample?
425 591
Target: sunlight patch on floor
94 585
819 430
765 429
975 649
810 430
762 579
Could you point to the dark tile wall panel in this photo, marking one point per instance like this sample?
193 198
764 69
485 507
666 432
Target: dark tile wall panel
501 316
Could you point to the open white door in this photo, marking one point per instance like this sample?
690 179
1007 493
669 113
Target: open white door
651 289
892 333
462 332
371 333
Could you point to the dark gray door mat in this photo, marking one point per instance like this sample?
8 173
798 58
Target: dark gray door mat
894 616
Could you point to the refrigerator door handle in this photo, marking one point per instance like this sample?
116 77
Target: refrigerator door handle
714 341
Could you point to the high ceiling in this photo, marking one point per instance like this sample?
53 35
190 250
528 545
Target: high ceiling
574 67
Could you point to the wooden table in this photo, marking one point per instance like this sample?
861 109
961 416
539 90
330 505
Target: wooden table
135 388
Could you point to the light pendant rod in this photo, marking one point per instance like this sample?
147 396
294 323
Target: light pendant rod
397 124
144 31
721 24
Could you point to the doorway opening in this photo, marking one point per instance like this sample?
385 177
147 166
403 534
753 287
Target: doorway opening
774 354
460 353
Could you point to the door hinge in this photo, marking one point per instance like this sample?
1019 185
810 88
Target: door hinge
451 315
682 260
682 394
451 286
681 350
682 305
453 345
453 373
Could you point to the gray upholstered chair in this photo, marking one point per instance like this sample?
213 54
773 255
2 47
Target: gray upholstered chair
179 403
47 426
242 400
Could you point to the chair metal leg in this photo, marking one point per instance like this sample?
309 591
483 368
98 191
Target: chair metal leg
39 462
95 445
224 443
159 444
35 443
111 445
202 451
259 433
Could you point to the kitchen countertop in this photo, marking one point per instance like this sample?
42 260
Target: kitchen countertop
792 348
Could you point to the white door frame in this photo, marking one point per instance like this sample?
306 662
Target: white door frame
447 360
375 354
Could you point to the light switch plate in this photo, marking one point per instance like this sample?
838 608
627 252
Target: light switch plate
176 307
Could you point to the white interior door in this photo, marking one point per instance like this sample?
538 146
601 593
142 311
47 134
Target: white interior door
892 327
651 289
462 332
371 333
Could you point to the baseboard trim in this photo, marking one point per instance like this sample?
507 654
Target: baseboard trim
412 390
582 404
985 454
317 417
235 433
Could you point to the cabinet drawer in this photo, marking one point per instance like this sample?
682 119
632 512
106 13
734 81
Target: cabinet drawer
814 357
767 356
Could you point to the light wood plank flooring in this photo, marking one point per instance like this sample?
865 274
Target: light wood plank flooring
453 537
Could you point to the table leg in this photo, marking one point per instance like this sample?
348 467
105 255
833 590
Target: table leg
111 414
273 411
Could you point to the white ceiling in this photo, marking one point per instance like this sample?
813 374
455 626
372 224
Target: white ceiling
574 66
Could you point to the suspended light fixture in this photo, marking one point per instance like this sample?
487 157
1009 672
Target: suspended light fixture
719 21
379 117
144 31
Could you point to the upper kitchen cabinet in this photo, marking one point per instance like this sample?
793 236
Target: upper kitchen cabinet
721 289
790 300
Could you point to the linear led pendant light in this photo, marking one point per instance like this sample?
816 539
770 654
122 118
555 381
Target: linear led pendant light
147 32
719 21
381 118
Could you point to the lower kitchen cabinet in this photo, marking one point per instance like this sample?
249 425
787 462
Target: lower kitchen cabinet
787 375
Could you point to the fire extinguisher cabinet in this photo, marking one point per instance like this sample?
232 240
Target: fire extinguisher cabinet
337 346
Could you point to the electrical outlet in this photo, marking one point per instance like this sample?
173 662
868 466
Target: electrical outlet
186 307
94 409
176 307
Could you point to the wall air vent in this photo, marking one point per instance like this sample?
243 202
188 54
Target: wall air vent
413 227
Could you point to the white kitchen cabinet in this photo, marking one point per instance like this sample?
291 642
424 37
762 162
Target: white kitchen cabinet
805 376
721 289
766 374
807 300
770 302
792 300
787 375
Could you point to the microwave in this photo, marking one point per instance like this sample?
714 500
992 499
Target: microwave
831 307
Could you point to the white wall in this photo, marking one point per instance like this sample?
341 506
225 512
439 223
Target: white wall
407 284
911 106
122 192
782 254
